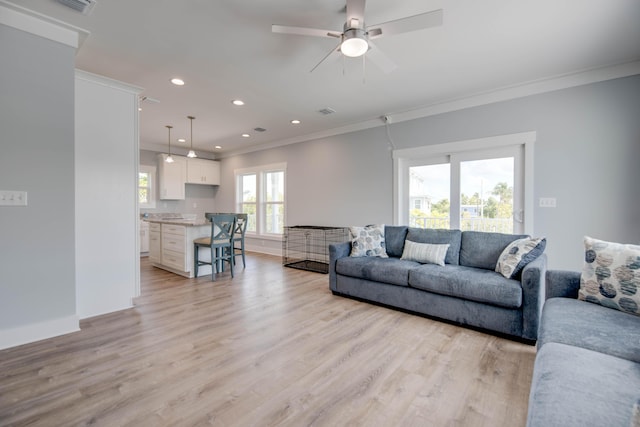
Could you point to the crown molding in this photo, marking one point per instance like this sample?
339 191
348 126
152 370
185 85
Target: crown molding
505 93
41 25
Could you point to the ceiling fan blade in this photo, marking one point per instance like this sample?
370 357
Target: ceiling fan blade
303 31
355 10
379 59
405 25
333 52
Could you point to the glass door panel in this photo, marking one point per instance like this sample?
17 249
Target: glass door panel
486 195
429 196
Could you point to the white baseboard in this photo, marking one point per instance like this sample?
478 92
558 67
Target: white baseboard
38 331
264 250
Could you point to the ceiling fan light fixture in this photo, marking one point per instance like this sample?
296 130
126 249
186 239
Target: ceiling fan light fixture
354 43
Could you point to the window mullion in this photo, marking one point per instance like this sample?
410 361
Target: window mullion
454 189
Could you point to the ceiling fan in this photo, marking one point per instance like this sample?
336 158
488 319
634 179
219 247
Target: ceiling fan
356 38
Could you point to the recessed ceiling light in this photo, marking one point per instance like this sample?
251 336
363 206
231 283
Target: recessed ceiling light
178 82
182 140
139 108
245 135
217 147
238 102
295 122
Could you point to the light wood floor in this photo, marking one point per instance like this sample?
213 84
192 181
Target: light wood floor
271 347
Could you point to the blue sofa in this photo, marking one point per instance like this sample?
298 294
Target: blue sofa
466 290
587 368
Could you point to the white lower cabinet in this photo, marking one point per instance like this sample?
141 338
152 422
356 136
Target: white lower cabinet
144 237
174 246
174 250
155 246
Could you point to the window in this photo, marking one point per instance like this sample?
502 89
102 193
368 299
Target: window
260 193
146 187
469 185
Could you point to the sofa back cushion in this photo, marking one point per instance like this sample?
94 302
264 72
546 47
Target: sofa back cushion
394 238
441 237
481 249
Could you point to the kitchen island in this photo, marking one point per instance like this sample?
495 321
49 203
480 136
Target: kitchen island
171 243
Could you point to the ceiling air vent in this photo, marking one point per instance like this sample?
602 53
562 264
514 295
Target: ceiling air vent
82 6
327 111
259 129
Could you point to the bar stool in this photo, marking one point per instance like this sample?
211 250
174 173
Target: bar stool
223 228
241 227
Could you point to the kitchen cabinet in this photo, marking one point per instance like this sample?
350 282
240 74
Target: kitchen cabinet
201 171
171 247
172 177
144 237
155 245
174 247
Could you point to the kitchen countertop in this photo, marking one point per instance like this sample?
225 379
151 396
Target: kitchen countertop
187 222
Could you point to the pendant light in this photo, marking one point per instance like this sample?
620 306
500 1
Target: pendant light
191 153
169 159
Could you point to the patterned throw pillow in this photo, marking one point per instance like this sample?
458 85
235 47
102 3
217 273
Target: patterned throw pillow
424 253
518 254
611 275
368 241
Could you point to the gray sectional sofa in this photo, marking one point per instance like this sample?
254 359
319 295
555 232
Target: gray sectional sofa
466 290
587 369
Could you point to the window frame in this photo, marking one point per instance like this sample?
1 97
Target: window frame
261 202
151 188
405 158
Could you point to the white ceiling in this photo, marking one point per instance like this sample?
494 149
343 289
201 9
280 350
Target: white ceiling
225 50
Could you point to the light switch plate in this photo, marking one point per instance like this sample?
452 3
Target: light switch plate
13 198
547 202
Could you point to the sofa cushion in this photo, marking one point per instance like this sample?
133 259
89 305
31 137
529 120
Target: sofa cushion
438 236
578 323
394 236
386 270
425 253
518 254
467 283
368 241
611 275
575 387
482 250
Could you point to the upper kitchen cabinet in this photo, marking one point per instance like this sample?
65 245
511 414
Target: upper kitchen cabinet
201 171
172 177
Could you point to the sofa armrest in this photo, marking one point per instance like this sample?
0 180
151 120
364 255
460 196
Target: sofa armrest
563 283
336 251
533 296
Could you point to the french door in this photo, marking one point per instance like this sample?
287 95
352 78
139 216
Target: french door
481 190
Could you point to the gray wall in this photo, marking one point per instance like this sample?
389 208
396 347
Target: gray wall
37 253
586 155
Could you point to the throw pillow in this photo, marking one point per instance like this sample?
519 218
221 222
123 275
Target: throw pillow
611 275
424 253
518 254
368 241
